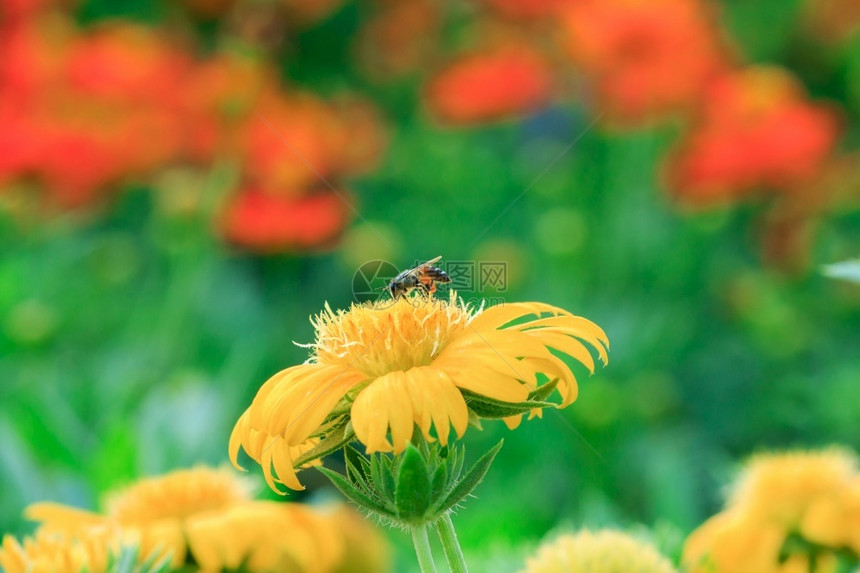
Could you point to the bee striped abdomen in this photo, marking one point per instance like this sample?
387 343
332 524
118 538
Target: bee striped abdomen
437 274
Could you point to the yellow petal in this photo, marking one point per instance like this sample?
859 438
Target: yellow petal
57 516
564 343
256 409
576 326
283 464
280 404
13 559
485 374
497 316
237 437
312 411
370 420
435 396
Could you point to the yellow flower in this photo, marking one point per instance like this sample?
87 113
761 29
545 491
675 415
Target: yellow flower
800 490
731 542
605 551
60 552
814 496
161 507
207 516
387 369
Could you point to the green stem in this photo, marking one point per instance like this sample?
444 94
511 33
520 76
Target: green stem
422 548
453 553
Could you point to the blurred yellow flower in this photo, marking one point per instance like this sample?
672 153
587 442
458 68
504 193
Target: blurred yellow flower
162 507
60 552
605 551
787 512
206 516
387 369
800 490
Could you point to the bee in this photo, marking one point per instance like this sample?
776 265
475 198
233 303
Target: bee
423 277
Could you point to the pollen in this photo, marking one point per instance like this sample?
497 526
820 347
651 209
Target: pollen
377 339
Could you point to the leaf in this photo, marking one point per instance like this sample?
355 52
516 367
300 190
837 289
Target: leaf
331 443
543 392
493 411
412 496
354 494
470 481
485 407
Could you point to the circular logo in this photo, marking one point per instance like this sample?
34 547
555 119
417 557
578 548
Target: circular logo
370 283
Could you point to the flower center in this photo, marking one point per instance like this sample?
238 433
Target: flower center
400 336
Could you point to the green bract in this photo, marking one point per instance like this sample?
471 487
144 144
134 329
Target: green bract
417 487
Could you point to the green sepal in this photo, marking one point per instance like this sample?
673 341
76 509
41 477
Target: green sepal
356 475
334 441
354 494
355 460
492 409
470 481
543 392
412 494
440 481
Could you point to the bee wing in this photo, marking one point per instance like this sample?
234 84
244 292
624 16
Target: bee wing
417 269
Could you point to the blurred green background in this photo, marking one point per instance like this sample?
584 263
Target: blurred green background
131 340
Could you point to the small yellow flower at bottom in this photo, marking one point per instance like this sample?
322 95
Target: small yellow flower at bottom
787 512
61 552
605 551
205 516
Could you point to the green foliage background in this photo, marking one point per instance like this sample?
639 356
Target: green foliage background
130 342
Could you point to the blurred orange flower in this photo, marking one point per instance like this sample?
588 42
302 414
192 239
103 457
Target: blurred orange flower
491 84
266 223
755 130
645 58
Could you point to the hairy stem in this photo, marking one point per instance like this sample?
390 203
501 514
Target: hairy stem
422 548
453 553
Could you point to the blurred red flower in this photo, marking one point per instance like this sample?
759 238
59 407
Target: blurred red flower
755 130
492 84
294 139
645 58
287 139
265 223
127 63
83 112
